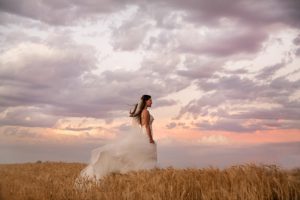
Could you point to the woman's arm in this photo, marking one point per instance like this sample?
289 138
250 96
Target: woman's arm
146 122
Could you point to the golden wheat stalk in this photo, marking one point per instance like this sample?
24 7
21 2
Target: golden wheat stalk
55 181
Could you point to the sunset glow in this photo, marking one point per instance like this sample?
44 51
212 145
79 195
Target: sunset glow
219 78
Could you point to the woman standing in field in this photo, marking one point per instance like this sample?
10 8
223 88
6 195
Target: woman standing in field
137 150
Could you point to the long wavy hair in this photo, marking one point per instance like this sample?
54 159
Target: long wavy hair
138 108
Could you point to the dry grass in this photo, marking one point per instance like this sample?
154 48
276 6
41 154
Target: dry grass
55 181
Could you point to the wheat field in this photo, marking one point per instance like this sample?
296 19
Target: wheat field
55 180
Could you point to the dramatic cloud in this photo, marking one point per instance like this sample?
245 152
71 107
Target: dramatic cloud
57 79
249 12
59 12
229 43
76 68
27 116
237 95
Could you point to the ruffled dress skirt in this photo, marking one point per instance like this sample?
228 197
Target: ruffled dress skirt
130 153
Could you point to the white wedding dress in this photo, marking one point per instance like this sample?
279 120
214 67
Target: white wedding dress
132 152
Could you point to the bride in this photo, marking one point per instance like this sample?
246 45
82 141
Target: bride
135 151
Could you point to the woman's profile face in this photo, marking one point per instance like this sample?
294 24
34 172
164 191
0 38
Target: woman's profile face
149 102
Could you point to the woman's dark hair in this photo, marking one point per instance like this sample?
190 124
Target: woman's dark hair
138 108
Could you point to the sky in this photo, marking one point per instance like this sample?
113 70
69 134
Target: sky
224 78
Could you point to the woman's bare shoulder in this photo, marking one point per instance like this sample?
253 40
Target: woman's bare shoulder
145 112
